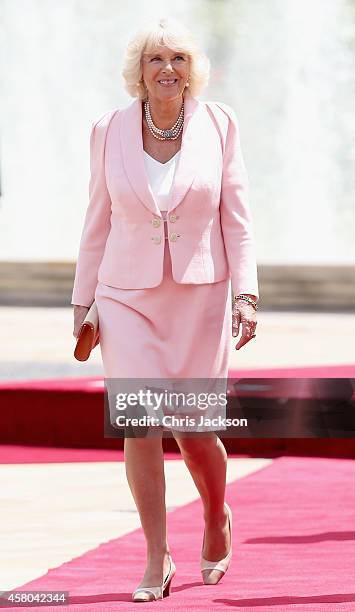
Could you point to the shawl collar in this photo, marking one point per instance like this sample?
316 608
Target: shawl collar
133 157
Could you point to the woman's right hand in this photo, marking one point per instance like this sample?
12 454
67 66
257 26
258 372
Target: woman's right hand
80 313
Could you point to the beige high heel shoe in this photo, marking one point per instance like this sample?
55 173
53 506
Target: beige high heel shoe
223 564
156 592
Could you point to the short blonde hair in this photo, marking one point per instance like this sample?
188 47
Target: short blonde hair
169 33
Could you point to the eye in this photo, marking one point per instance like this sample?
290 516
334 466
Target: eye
158 59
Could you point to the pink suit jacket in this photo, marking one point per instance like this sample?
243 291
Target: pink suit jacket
209 219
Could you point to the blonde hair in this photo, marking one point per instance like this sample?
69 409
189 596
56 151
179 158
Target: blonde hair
169 33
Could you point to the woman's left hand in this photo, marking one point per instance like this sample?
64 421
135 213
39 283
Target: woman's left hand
244 314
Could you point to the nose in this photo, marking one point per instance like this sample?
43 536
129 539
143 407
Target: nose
168 65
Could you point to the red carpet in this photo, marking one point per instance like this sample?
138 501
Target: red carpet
12 453
41 454
293 549
330 371
69 414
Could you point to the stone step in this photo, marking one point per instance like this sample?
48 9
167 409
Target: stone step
313 287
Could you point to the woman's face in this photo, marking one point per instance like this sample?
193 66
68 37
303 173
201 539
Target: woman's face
161 65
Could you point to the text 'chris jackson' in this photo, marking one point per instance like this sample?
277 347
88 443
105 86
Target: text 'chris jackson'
174 421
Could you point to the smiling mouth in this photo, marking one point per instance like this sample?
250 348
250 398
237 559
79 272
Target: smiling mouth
167 82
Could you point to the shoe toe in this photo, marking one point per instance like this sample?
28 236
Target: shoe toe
143 596
211 576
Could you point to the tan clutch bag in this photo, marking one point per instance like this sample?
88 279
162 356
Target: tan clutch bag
88 336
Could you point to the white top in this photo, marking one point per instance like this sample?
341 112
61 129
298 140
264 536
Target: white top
161 177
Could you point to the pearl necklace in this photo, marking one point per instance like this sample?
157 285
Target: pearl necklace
171 134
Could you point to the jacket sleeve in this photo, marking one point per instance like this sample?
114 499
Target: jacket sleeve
97 222
236 220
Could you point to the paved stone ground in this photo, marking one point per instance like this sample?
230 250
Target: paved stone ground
37 342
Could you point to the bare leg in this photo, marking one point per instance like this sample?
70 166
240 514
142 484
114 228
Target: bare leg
144 463
206 460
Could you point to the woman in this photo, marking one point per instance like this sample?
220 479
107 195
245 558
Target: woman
168 228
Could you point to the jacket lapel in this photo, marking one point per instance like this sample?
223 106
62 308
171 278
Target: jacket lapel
133 157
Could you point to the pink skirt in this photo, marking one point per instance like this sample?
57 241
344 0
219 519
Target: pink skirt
173 331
